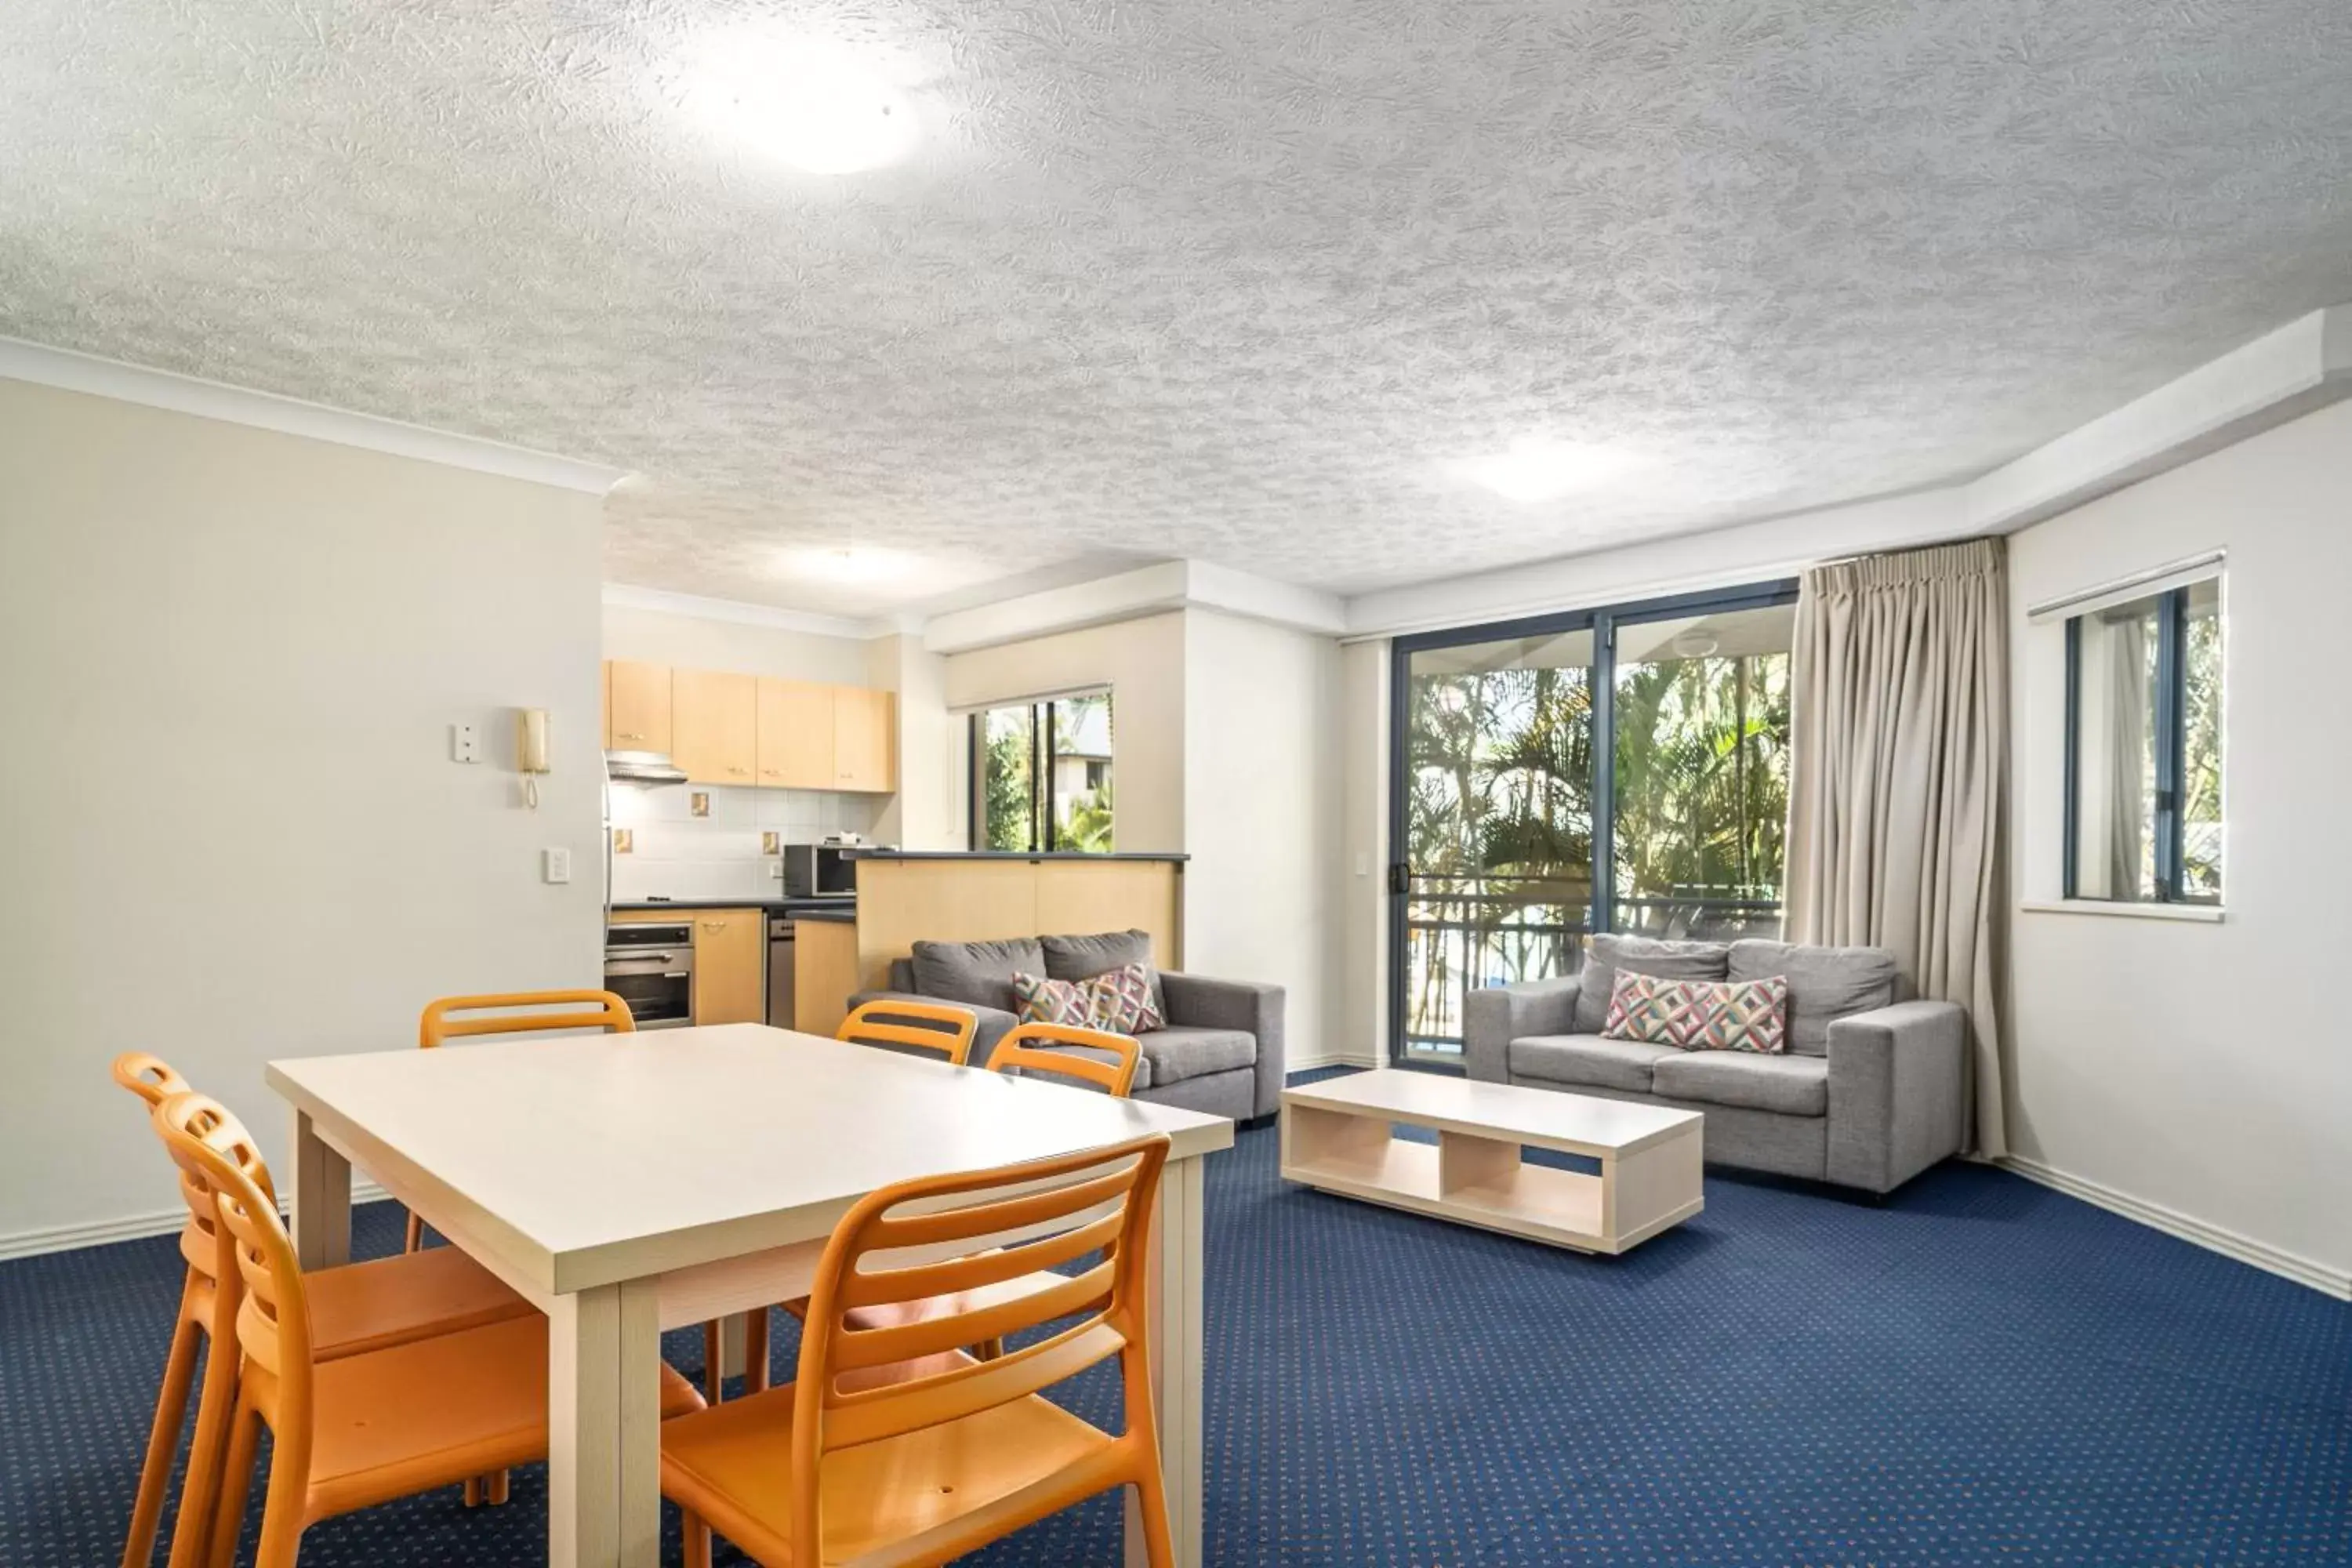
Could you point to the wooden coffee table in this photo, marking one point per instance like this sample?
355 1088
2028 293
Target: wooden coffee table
1336 1136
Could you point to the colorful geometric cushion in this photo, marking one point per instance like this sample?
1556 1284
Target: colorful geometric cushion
1700 1014
1122 1000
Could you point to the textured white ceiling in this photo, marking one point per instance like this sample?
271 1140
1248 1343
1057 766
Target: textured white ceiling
1231 279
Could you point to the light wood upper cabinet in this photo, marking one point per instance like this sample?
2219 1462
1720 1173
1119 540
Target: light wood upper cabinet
715 724
636 706
796 734
730 966
861 740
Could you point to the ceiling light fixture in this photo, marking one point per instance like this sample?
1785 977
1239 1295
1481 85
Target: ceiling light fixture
814 105
1535 470
842 564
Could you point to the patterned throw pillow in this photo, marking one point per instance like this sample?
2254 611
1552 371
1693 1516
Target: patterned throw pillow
1120 1000
1701 1015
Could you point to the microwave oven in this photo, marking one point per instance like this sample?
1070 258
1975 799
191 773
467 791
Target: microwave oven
819 871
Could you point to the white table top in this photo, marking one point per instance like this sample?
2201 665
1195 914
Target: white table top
1574 1123
590 1159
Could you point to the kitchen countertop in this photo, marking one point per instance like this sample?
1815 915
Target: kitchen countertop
867 853
802 909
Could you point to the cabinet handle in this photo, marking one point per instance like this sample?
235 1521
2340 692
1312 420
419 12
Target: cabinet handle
629 737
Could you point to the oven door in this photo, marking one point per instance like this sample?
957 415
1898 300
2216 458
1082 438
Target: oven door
652 969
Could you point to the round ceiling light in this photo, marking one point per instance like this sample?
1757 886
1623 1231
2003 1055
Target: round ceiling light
815 106
1695 642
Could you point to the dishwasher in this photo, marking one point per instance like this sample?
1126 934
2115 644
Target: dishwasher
780 972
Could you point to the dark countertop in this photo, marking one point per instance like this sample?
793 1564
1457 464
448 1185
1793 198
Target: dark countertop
802 909
872 854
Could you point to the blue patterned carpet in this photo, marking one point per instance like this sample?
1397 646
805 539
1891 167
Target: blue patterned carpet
1981 1371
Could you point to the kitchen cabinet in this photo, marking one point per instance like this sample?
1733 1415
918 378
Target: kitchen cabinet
714 725
861 740
636 706
730 966
796 734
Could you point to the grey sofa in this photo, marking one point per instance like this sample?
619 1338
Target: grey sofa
1869 1093
1221 1051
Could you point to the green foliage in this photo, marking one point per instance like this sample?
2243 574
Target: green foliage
1086 826
1004 805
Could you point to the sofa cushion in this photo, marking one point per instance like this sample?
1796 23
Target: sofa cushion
978 972
1640 955
1586 1059
1084 957
1824 983
1788 1085
1175 1054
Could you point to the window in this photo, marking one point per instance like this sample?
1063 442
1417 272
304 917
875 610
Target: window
2144 748
1624 769
1041 775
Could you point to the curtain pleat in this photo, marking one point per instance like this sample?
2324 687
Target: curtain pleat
1899 748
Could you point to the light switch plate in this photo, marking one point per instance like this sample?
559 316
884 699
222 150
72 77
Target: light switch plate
624 840
555 864
772 843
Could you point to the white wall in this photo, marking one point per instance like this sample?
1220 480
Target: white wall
1360 900
1143 662
1261 770
695 642
229 660
932 810
2199 1069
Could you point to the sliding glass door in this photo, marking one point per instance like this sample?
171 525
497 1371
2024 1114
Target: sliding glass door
1621 769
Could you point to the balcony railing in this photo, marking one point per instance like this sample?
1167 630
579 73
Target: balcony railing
1465 933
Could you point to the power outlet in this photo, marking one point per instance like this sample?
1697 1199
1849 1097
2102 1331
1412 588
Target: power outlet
464 743
555 865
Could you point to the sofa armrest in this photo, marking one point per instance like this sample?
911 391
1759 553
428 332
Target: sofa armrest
1897 1093
1197 1002
1494 1015
994 1022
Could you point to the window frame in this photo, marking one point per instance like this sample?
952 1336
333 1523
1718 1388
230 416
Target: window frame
1601 621
1044 820
2170 740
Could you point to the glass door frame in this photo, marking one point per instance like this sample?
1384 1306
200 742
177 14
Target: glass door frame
1602 623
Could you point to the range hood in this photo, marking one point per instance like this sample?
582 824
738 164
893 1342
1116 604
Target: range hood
641 768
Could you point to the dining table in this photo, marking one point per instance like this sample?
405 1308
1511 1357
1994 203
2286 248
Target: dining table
632 1183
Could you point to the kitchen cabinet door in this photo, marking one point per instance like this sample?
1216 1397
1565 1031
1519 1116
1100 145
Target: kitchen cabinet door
715 723
795 735
636 706
730 974
862 752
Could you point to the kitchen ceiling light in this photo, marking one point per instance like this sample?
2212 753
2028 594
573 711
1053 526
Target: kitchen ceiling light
1534 469
815 106
843 565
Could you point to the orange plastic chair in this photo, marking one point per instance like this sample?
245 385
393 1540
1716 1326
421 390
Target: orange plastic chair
357 1308
893 1446
605 1011
360 1429
944 1029
1033 1049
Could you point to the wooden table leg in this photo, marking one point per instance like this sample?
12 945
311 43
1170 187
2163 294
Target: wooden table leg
604 1427
1177 1358
322 1200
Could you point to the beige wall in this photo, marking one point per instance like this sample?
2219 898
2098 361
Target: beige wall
932 810
1261 770
1143 662
697 642
230 659
2203 1068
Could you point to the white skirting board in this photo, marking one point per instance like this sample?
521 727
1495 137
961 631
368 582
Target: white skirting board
1330 1060
130 1227
2329 1281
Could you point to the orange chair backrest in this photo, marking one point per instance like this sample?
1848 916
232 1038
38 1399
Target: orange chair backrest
942 1028
1000 1226
151 1078
1040 1048
258 1276
588 1010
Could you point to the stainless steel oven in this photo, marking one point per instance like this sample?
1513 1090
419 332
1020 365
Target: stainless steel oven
649 964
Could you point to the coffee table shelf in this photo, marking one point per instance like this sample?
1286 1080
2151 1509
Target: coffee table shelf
1337 1137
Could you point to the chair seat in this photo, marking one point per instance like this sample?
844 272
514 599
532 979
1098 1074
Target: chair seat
363 1306
436 1411
730 1464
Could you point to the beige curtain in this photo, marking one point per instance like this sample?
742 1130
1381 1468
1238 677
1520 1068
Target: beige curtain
1899 748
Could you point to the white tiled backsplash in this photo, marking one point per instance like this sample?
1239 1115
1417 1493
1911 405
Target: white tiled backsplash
677 855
